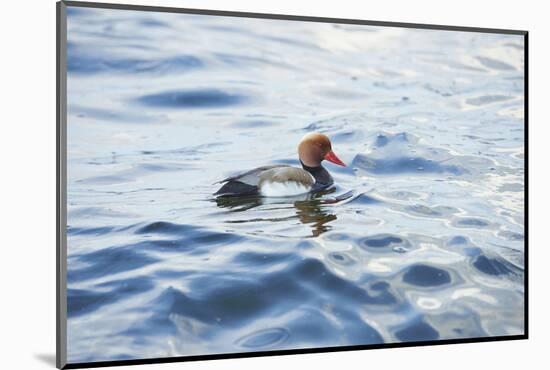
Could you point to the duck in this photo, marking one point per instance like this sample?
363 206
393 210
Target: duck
283 180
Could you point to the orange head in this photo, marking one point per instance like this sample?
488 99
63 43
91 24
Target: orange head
316 147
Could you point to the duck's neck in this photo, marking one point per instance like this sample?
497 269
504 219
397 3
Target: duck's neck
321 175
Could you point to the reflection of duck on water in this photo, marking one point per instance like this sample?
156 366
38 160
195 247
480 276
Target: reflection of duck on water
284 180
312 213
311 209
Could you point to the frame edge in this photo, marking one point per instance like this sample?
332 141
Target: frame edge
290 17
526 180
61 188
61 177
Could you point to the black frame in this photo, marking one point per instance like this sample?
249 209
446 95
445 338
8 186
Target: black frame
61 173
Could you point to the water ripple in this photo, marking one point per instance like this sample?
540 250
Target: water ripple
264 339
81 63
421 238
426 276
200 98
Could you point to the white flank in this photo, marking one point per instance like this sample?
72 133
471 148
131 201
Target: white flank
283 189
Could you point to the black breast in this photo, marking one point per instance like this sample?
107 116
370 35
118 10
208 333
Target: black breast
323 179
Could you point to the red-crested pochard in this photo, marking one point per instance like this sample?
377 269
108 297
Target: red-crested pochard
283 180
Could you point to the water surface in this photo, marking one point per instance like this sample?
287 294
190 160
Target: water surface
421 239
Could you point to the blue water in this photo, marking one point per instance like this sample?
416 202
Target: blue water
421 239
